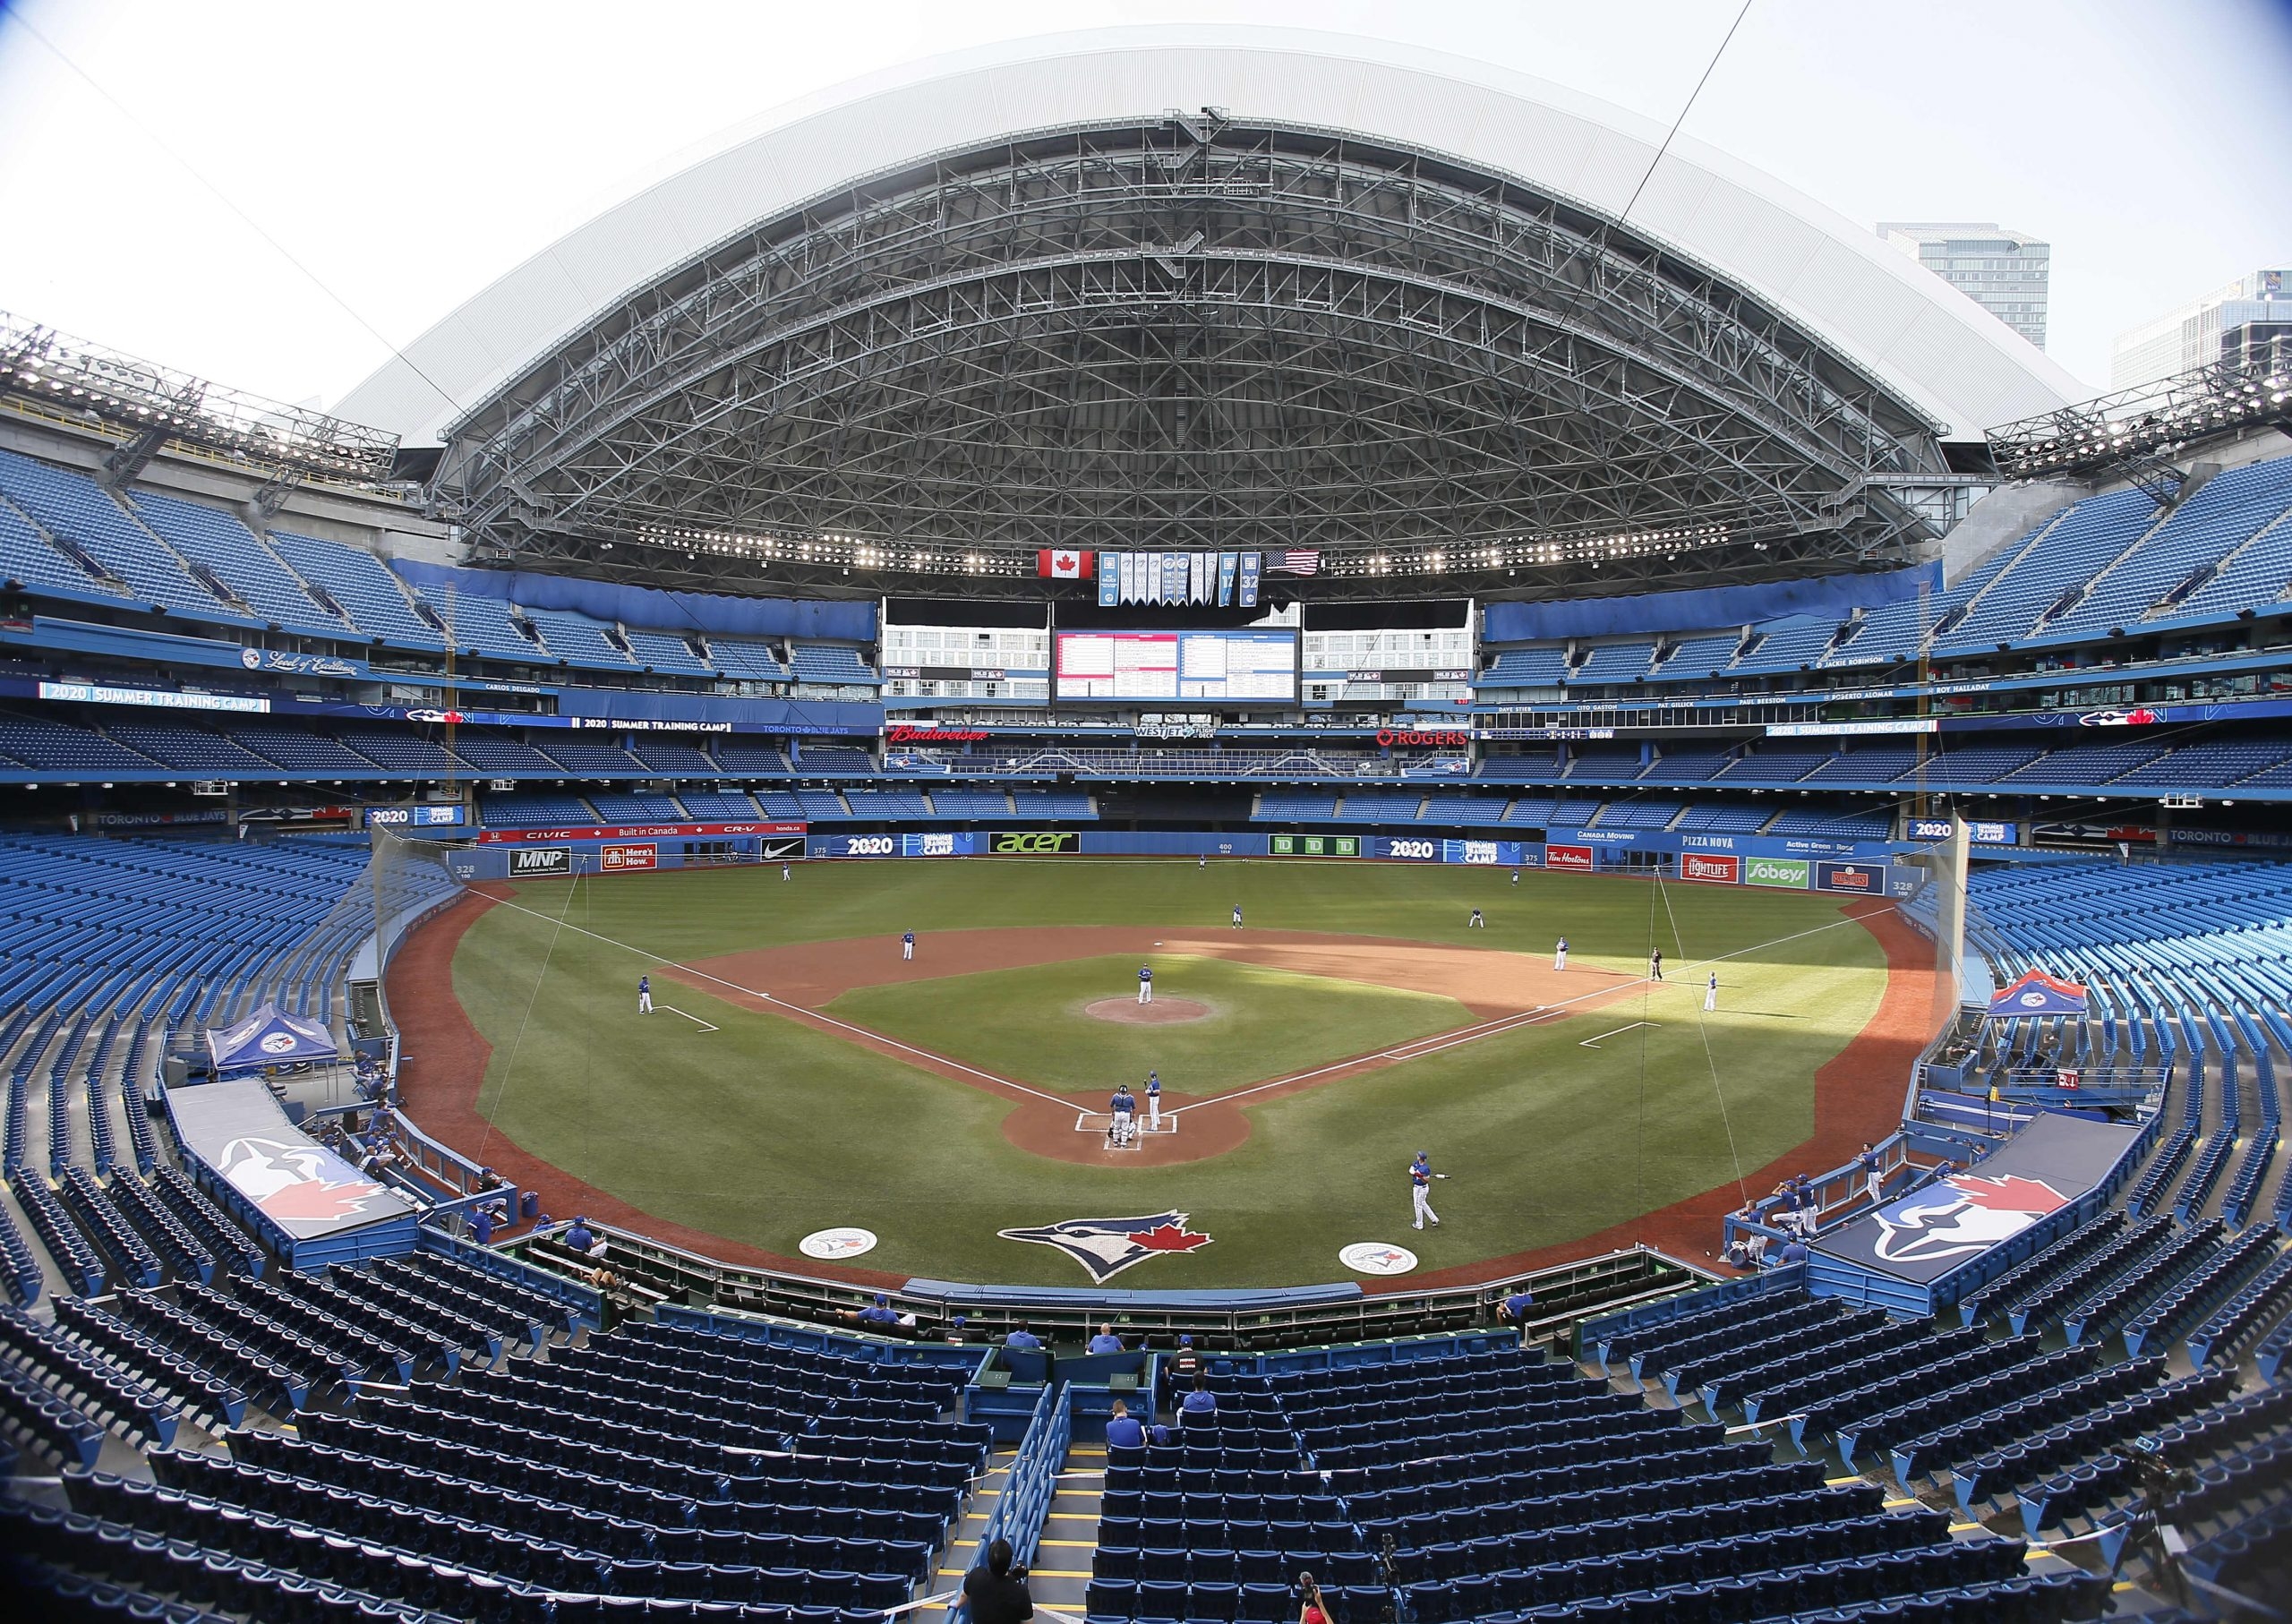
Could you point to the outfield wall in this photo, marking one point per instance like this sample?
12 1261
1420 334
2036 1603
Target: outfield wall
1844 868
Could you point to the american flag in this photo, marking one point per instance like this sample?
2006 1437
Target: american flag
1294 563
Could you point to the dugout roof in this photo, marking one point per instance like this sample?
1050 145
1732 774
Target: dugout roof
1185 289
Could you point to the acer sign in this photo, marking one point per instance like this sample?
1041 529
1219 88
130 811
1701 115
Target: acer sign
1414 738
904 733
1568 856
1710 870
620 860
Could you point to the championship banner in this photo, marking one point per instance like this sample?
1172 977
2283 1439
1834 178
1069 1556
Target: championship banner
1110 578
1944 1225
1033 842
1710 870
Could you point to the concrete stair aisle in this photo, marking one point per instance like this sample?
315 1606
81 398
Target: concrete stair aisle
1060 1574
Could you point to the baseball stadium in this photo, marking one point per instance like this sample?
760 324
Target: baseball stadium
1209 828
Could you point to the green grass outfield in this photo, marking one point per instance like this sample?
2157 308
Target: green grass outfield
772 1128
1028 1024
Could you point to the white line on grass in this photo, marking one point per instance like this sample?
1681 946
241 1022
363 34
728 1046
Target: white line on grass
695 1019
1592 1043
1418 1050
798 1009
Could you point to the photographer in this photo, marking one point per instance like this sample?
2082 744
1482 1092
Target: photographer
998 1593
1311 1609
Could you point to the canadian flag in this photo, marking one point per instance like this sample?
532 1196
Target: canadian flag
1060 564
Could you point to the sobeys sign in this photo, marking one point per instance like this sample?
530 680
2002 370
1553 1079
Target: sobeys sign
1783 871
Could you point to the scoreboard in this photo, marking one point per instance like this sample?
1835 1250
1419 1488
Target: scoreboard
1213 667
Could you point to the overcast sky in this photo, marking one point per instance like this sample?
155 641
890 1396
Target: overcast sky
389 160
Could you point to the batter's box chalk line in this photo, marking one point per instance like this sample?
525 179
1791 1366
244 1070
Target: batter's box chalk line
1097 1121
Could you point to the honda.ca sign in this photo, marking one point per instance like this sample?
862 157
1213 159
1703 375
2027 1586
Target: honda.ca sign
540 862
1710 870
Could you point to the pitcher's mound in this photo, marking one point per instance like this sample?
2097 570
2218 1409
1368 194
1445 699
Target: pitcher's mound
1162 1012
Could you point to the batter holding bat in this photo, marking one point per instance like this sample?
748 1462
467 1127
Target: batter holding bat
1420 1190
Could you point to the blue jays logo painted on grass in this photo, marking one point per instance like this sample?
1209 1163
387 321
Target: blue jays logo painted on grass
1106 1246
1961 1215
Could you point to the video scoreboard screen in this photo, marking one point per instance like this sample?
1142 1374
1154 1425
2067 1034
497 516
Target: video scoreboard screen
1212 667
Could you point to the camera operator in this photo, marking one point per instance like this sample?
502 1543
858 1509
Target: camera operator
998 1593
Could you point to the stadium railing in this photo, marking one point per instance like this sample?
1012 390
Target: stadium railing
1024 1506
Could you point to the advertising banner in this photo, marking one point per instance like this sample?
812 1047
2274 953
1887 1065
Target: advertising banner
1501 853
1868 879
1033 842
540 862
438 817
937 845
1567 857
1404 847
1710 870
625 859
1313 845
516 837
1981 834
1782 873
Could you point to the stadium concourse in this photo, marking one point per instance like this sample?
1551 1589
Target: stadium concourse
1384 505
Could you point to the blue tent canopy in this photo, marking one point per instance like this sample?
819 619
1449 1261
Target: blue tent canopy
2037 994
270 1037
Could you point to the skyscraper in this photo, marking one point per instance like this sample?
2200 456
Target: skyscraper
2241 317
2004 271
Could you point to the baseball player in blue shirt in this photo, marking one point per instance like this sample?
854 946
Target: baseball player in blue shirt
907 945
1124 1108
1145 984
1560 954
1237 916
643 995
1420 1190
1154 1101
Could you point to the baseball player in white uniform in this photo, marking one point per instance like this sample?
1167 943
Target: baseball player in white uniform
1123 1116
1237 916
643 995
1560 954
1475 922
907 945
1145 984
1420 1190
1711 992
1154 1101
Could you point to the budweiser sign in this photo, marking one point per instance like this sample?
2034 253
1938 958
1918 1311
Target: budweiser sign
1413 739
908 733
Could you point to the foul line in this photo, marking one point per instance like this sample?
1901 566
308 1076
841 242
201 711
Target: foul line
1420 1050
793 1009
1592 1043
695 1019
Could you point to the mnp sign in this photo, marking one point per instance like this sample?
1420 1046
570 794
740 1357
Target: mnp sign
540 862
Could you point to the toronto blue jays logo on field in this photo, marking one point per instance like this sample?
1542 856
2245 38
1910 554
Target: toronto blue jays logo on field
1106 1246
1961 1215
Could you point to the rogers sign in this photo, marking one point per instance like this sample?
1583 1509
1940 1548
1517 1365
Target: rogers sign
908 733
1411 738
